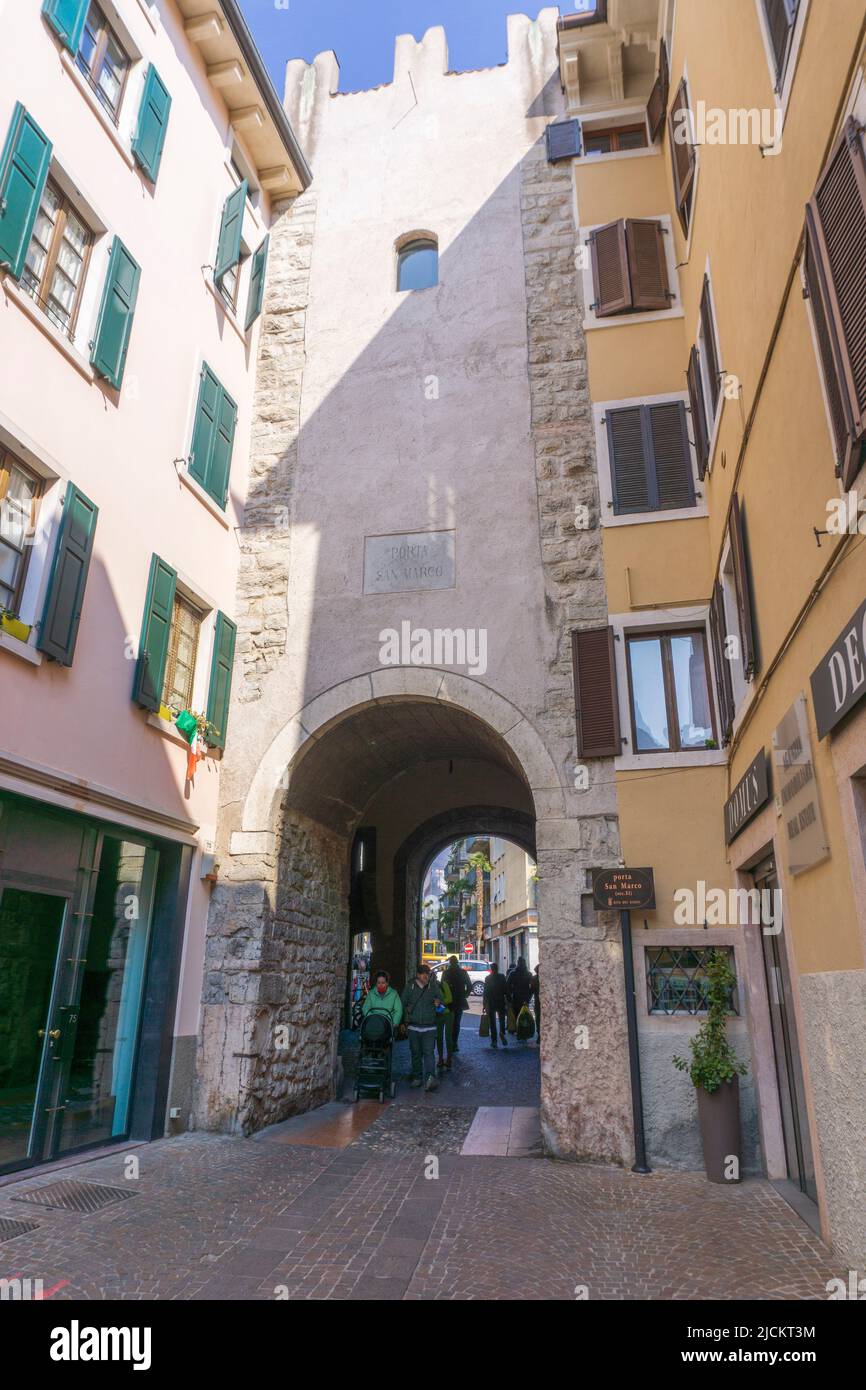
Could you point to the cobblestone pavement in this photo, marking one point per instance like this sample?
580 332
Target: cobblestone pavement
401 1214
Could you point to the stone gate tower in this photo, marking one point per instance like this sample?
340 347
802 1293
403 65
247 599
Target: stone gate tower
414 563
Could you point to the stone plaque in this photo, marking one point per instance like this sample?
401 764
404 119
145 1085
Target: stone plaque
797 796
411 561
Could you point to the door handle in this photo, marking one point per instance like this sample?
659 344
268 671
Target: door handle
52 1033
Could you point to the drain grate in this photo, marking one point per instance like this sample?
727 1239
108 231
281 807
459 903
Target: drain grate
9 1229
69 1195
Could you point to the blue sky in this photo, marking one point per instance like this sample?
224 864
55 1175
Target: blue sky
362 32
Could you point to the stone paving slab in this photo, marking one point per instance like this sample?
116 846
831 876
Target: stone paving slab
230 1219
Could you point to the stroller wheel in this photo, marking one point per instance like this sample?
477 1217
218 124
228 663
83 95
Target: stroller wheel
393 1089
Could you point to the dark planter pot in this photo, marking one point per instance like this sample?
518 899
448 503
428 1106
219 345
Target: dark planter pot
719 1114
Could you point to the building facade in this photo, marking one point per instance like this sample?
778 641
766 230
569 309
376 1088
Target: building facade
142 152
513 929
720 191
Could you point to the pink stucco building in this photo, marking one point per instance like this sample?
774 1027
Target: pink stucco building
142 150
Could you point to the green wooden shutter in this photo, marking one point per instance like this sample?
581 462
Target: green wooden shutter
204 428
219 693
149 139
58 628
155 634
66 18
231 228
257 283
221 459
23 172
116 313
213 437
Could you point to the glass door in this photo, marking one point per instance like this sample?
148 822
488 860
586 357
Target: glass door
105 992
31 935
789 1071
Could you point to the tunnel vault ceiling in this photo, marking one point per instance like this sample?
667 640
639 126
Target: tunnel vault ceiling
339 772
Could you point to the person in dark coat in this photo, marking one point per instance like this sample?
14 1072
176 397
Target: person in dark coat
460 986
519 988
535 986
495 1004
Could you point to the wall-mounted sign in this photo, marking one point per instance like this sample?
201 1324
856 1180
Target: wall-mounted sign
410 561
621 890
747 798
839 679
797 794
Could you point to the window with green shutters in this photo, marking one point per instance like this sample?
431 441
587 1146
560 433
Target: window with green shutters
116 313
155 635
231 232
149 139
219 693
58 629
24 167
66 18
213 437
257 283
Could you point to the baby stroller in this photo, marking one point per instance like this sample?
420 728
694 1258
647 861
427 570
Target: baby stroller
374 1056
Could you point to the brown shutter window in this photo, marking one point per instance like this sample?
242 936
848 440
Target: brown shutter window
739 556
647 265
724 688
683 156
836 277
657 105
674 479
698 411
781 18
610 275
708 325
595 693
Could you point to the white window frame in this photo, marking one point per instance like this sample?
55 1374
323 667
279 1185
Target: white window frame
782 99
605 467
591 320
121 134
251 238
661 620
727 579
54 480
208 607
607 120
714 425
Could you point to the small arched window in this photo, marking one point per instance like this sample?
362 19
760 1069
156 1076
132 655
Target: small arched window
418 264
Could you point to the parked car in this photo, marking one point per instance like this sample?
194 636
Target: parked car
476 969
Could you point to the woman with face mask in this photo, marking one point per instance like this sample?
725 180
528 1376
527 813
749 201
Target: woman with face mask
383 999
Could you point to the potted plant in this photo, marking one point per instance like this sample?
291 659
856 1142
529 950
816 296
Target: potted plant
715 1071
13 625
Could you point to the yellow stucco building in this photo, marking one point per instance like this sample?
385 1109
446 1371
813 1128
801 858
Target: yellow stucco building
720 193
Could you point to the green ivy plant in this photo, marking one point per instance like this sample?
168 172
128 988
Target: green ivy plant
713 1060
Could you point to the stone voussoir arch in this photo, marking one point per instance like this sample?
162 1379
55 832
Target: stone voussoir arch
385 685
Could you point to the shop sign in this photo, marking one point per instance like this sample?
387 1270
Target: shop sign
747 798
839 679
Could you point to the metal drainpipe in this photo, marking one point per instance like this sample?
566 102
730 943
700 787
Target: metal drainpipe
640 1164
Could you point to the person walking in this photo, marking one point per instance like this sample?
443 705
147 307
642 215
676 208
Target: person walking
422 1002
384 999
495 1004
535 986
460 986
518 988
443 1029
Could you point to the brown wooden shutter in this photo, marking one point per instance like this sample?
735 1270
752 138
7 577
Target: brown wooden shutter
628 463
708 324
724 688
657 105
743 587
682 153
647 264
595 693
610 275
671 457
836 279
699 414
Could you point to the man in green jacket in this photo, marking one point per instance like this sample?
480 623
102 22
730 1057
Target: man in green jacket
422 1003
383 999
